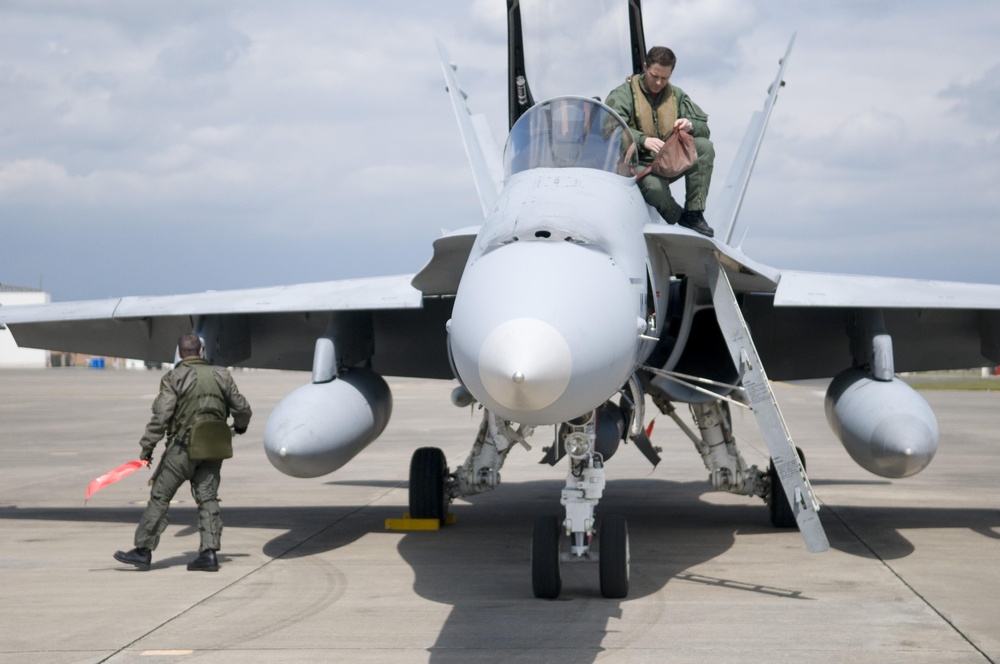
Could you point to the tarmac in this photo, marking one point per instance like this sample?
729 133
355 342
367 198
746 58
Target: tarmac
309 573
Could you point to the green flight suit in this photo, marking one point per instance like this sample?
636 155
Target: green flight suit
180 402
698 178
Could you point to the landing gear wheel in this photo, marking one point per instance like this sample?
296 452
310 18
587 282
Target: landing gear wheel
545 579
428 480
782 515
614 560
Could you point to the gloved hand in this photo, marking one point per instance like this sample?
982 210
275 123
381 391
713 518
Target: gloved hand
238 431
147 455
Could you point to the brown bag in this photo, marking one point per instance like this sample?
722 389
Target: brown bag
676 157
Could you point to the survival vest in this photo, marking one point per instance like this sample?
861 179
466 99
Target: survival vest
659 124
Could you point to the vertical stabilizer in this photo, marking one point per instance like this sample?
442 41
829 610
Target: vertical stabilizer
637 35
480 146
739 175
518 92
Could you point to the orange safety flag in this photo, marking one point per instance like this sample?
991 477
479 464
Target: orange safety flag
113 476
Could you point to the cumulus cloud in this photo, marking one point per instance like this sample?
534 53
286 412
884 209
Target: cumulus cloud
312 141
872 140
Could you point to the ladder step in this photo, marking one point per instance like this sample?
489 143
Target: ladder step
765 408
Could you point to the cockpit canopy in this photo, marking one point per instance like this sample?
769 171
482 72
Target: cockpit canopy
570 132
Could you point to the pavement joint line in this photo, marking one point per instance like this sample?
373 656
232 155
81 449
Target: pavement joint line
251 572
905 583
938 523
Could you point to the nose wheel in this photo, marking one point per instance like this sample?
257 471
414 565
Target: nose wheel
614 561
546 558
546 581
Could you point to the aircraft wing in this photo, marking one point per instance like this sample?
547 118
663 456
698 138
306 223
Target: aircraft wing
398 322
801 321
819 289
273 328
802 329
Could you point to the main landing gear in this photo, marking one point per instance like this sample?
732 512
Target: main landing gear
429 484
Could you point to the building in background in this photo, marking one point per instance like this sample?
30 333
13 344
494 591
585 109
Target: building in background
10 355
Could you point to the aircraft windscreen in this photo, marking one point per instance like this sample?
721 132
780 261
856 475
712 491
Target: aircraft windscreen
570 132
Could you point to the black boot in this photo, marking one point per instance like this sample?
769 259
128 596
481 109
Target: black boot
205 562
140 556
695 220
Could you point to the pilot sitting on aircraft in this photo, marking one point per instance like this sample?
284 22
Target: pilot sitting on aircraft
654 109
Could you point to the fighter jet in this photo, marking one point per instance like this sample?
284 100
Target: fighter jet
572 305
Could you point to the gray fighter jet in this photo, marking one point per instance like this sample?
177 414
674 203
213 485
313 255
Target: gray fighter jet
573 305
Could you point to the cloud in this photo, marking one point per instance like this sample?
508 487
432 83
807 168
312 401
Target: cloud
312 141
685 26
869 140
978 101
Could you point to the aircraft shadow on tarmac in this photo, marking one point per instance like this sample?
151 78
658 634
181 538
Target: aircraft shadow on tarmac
667 521
671 529
481 565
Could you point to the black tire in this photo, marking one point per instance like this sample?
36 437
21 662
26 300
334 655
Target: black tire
428 479
546 581
614 561
782 515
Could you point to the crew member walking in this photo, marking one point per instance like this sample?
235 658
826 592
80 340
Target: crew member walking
192 408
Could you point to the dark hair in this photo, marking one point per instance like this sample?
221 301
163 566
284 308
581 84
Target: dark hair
189 344
661 55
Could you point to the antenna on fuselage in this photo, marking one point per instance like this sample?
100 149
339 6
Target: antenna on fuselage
518 93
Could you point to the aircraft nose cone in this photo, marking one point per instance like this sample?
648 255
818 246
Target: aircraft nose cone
542 332
525 364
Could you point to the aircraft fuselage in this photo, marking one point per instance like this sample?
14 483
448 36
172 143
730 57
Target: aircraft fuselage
552 303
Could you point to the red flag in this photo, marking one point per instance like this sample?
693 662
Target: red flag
113 476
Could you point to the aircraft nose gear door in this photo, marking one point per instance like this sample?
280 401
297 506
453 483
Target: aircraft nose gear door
584 488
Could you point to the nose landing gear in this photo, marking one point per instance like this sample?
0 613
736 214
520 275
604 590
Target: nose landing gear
584 488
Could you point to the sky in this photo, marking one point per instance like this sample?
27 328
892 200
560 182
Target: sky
154 148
